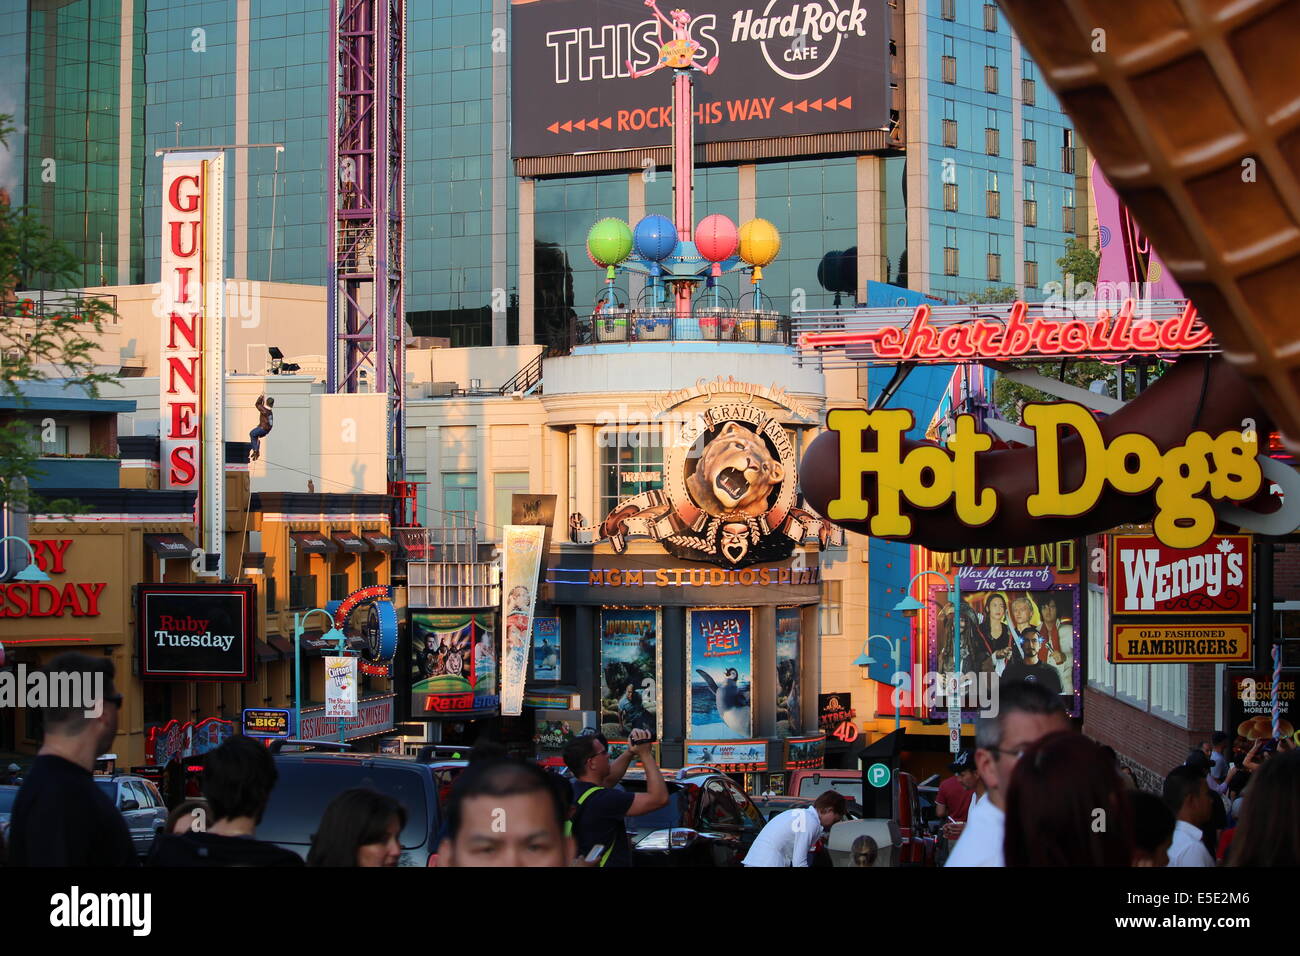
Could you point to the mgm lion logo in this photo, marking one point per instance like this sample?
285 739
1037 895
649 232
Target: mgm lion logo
735 475
728 495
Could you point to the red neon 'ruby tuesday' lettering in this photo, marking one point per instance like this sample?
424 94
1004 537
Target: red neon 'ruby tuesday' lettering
1020 336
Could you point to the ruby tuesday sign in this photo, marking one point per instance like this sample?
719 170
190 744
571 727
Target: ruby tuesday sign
196 631
51 599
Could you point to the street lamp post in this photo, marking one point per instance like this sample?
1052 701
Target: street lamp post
896 655
32 572
334 635
909 606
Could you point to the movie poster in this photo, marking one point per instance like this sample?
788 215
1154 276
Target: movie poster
789 722
522 546
719 671
453 664
546 648
629 671
1011 634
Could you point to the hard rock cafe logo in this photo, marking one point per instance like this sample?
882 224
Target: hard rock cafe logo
732 502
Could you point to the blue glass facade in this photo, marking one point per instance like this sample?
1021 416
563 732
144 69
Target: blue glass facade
462 268
981 163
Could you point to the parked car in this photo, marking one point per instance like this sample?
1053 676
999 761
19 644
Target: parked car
140 804
7 795
708 821
918 847
309 780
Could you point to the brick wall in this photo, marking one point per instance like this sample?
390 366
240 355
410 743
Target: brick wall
1286 573
1148 744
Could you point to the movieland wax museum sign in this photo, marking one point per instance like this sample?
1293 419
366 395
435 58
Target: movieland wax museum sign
597 74
191 299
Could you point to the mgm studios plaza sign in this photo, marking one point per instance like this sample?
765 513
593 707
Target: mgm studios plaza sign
728 489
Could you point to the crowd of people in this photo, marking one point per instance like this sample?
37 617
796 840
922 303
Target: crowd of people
1042 794
1034 792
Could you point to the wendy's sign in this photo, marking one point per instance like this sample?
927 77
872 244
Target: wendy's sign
1149 578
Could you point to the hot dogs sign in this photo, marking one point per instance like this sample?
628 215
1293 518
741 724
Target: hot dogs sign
1073 466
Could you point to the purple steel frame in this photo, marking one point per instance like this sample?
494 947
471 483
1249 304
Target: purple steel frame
364 302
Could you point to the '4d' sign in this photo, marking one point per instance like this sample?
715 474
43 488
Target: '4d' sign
1184 479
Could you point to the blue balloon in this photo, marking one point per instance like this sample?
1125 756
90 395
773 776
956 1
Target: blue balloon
655 238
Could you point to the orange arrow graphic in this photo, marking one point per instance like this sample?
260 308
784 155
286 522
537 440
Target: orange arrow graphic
607 122
802 106
846 102
554 127
581 124
567 126
788 107
817 105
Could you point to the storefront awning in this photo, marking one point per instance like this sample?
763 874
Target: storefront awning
349 541
379 541
313 542
266 653
170 545
280 644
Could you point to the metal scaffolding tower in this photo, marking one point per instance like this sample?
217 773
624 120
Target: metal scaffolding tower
365 303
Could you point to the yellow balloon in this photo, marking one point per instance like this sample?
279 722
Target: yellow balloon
759 242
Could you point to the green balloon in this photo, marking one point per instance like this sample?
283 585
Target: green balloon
610 241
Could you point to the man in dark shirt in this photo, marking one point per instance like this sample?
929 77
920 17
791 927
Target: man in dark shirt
1032 669
599 811
238 778
60 818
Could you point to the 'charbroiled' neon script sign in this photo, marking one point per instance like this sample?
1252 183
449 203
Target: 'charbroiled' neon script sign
1018 336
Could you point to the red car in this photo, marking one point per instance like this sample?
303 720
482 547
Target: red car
918 847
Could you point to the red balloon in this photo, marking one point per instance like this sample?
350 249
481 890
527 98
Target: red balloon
716 238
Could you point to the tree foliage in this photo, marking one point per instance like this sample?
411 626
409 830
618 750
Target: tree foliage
47 331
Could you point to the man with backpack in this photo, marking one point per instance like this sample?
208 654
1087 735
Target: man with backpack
599 811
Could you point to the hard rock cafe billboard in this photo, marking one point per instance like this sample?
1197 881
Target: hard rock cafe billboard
730 486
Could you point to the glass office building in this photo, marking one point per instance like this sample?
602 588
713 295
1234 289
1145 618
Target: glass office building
984 193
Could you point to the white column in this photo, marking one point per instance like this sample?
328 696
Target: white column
747 193
635 213
587 473
871 223
557 448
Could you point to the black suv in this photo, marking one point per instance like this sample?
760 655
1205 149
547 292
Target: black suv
309 780
708 821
